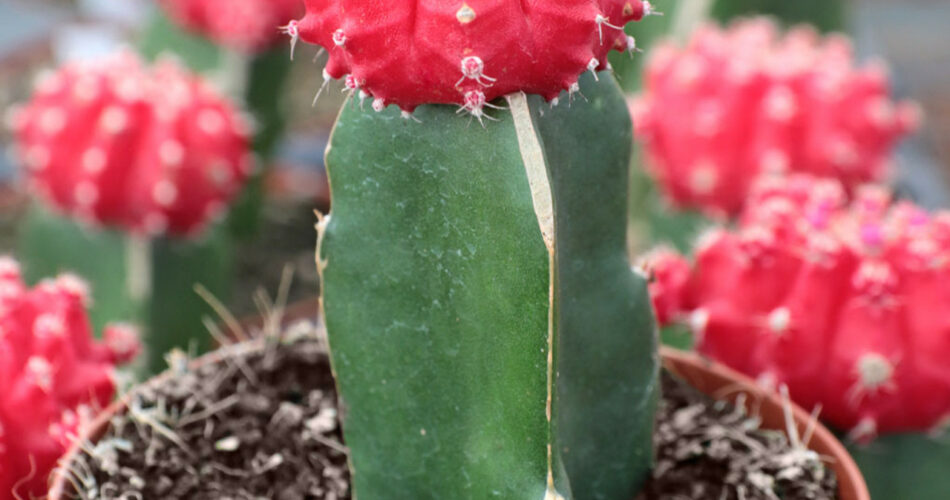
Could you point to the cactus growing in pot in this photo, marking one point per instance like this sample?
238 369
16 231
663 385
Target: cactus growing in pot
131 166
53 376
481 311
838 302
843 304
746 100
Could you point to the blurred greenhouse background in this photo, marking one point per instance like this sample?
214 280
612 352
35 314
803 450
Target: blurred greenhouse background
38 35
246 258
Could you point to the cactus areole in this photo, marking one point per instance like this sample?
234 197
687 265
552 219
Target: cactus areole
488 336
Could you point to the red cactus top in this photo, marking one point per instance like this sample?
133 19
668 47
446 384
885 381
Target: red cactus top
845 304
740 101
52 375
244 25
412 52
153 150
668 274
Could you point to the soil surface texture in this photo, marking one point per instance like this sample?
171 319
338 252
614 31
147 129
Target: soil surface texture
710 450
264 425
261 425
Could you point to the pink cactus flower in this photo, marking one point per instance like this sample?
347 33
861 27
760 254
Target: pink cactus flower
739 102
152 150
846 304
53 376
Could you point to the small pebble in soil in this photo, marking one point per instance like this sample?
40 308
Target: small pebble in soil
709 450
262 425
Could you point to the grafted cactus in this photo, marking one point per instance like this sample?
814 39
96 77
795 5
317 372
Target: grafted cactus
488 337
131 165
739 102
843 304
239 44
53 376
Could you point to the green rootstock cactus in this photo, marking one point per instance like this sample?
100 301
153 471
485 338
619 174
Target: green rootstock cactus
487 332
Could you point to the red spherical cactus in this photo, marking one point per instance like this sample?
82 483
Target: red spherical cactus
153 150
466 53
244 25
668 275
844 304
53 376
738 102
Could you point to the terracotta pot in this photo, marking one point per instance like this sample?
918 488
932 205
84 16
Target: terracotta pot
722 383
61 488
708 377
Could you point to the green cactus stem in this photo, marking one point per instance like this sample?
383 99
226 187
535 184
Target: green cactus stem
147 282
487 333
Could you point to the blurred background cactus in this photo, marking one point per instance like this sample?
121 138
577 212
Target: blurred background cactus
241 45
257 74
53 375
842 304
748 100
131 166
480 308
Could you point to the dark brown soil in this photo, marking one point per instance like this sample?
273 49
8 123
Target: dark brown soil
709 450
260 426
264 425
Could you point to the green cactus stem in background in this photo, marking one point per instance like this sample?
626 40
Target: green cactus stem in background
905 466
147 282
825 15
628 68
487 333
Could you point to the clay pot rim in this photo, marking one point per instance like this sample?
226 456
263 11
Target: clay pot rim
60 481
718 379
689 366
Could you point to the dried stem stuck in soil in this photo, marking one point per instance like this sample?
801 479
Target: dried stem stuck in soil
261 424
710 450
